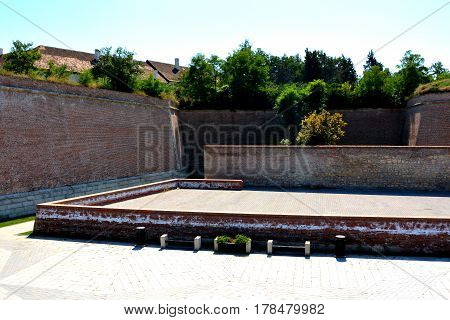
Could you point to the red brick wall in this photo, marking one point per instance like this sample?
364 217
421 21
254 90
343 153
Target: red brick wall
365 127
53 135
428 120
84 217
407 168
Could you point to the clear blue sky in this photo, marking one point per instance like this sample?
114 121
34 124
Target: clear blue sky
163 30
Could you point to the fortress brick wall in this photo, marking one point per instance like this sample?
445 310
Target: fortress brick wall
362 167
247 127
54 135
427 120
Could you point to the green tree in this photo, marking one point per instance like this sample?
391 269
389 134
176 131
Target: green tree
22 57
371 90
321 128
285 69
340 96
313 66
118 68
315 98
287 104
412 72
372 61
294 103
345 71
199 83
438 71
246 73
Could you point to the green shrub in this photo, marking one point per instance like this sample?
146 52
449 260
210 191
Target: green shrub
321 128
119 68
340 96
104 83
151 86
287 104
238 239
224 239
241 239
55 71
294 103
21 59
285 142
86 78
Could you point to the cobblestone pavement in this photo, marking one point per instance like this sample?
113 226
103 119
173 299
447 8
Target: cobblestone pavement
32 268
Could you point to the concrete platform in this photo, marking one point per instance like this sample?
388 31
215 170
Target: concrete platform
296 202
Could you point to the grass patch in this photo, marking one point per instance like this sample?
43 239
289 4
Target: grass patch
433 87
26 233
16 221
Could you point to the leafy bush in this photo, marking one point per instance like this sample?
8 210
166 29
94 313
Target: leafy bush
119 69
224 239
285 142
241 239
321 128
294 103
21 59
340 96
238 239
59 72
86 78
151 86
287 104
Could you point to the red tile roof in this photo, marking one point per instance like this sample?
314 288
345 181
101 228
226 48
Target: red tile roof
166 71
78 61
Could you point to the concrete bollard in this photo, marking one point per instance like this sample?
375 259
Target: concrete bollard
216 245
269 247
197 243
248 246
307 248
163 239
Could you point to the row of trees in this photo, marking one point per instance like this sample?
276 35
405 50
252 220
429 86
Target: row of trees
250 78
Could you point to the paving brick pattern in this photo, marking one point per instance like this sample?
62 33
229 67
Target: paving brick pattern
32 268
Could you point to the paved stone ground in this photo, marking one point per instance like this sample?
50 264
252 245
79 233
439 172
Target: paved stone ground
32 268
298 201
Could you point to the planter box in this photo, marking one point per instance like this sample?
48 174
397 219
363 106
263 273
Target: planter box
233 247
